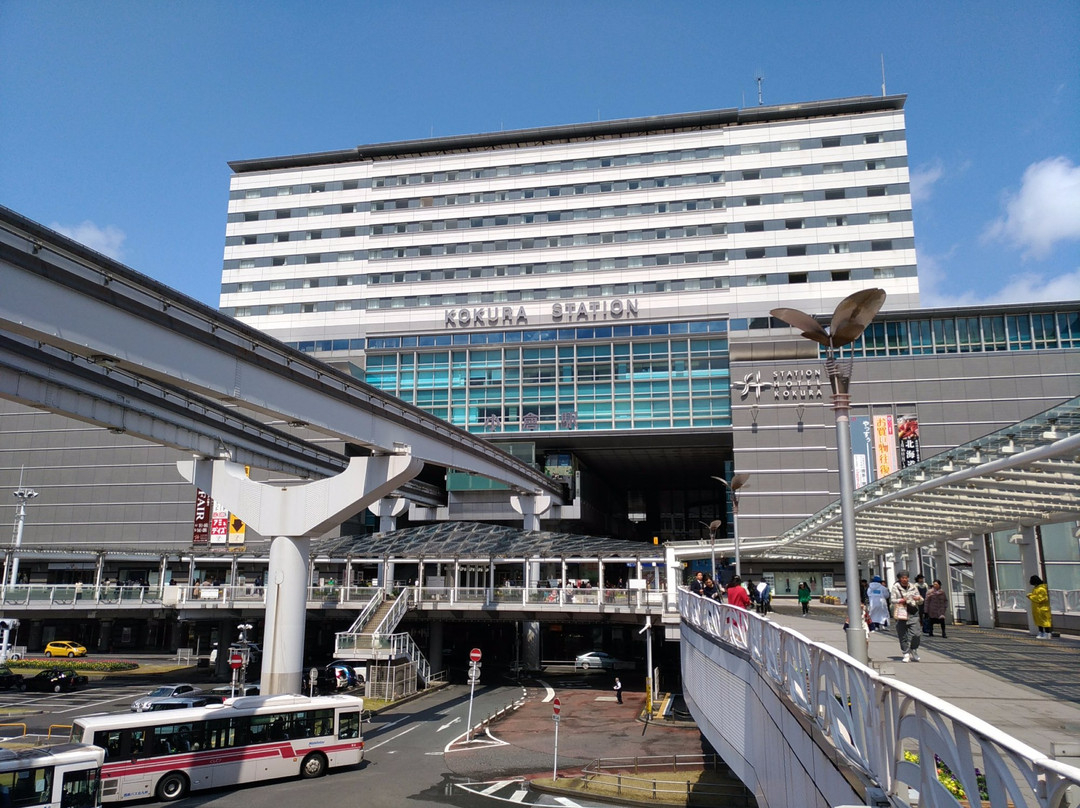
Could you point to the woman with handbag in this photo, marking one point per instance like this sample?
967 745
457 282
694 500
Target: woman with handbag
906 599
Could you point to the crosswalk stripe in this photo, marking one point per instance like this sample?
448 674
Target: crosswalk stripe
519 795
496 786
569 803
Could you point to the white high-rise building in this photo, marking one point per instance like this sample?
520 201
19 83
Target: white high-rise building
577 289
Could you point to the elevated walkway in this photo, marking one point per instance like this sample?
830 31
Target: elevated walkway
999 710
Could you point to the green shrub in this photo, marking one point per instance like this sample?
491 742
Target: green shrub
74 664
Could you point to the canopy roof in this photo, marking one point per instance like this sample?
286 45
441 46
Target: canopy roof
478 541
1026 474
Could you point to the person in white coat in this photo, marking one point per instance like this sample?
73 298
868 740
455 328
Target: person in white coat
878 595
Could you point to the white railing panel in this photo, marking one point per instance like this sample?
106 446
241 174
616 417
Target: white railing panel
874 720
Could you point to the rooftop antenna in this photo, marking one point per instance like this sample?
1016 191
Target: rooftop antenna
883 75
760 79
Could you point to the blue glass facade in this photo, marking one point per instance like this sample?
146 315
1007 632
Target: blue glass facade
649 376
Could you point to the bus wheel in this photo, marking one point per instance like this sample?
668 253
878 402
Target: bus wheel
314 765
172 786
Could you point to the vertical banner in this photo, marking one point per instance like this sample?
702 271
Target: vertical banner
237 529
201 530
884 446
907 432
219 526
862 449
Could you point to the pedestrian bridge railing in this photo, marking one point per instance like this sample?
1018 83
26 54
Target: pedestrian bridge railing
896 735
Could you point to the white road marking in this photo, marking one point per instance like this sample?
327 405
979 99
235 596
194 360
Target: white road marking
549 691
569 803
496 786
518 796
448 724
403 732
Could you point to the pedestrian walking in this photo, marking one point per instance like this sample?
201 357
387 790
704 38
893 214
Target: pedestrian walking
804 597
737 594
935 608
877 603
906 599
1040 606
618 690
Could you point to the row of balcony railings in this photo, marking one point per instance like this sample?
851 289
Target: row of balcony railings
197 595
898 735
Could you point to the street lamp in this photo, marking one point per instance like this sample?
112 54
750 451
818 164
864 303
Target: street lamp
849 320
737 482
22 494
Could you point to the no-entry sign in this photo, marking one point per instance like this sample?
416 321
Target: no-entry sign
474 655
235 660
556 708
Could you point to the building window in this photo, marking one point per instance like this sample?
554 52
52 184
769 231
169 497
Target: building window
830 142
879 218
792 171
798 277
835 249
796 249
876 190
835 221
880 246
832 168
789 145
756 280
874 138
835 193
790 198
793 224
754 227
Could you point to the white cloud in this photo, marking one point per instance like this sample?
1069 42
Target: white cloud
107 240
1044 212
923 178
1027 287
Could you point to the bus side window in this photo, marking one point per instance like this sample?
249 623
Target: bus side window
349 726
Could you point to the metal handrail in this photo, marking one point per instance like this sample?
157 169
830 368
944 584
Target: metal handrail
393 617
365 614
872 720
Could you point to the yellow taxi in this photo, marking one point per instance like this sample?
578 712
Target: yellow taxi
63 648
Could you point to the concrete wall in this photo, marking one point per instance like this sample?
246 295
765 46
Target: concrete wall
749 724
789 445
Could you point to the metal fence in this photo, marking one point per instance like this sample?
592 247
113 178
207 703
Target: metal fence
898 735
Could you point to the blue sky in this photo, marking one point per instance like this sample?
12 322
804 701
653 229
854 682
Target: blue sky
117 119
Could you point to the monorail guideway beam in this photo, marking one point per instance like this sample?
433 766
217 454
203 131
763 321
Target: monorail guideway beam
293 516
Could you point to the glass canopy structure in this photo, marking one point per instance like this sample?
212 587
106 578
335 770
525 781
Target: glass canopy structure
1026 474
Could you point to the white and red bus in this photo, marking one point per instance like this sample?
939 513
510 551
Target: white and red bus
60 776
166 754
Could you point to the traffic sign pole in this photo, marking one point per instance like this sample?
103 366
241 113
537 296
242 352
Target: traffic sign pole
474 673
556 710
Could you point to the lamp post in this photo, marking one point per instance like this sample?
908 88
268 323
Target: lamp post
22 494
851 317
737 482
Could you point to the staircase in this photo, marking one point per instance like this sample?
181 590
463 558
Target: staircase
371 637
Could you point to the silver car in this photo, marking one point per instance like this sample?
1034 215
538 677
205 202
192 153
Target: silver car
595 660
142 704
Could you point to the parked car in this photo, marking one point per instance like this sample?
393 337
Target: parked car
226 691
182 703
9 679
339 677
64 648
143 703
595 659
56 680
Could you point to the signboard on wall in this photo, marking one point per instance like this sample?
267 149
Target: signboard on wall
884 446
862 449
907 434
219 526
201 529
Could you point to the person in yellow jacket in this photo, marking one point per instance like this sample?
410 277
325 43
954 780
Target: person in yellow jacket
1040 606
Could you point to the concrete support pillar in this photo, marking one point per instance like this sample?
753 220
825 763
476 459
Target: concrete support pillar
176 635
388 509
286 612
435 645
530 642
941 572
980 568
104 638
530 506
1029 562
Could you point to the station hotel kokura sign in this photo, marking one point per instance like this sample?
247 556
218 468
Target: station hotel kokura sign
786 385
572 311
